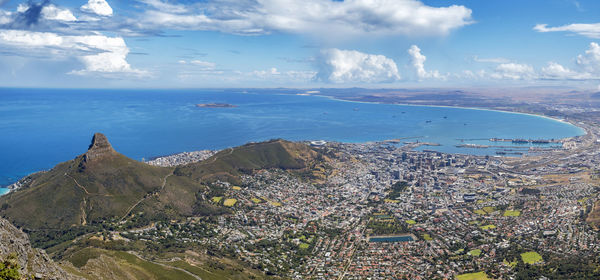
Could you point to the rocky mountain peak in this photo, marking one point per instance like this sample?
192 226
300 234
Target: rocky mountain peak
99 147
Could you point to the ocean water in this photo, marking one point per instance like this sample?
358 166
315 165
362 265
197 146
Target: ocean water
42 127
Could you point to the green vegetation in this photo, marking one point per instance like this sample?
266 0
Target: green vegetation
511 264
427 237
382 223
230 202
275 203
473 276
158 271
475 252
9 268
80 258
531 257
488 227
397 189
512 213
111 184
560 267
74 209
216 270
411 222
228 164
98 192
489 209
479 212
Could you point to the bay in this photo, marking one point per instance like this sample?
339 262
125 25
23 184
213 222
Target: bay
42 127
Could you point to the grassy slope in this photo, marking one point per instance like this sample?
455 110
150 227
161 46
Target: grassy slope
594 216
229 164
78 192
91 262
53 200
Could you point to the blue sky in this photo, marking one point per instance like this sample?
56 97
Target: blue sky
309 43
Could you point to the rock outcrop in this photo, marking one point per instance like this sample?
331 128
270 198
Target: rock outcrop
99 148
33 262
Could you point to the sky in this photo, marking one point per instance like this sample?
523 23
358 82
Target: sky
293 43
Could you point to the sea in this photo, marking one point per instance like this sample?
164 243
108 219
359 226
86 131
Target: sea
42 127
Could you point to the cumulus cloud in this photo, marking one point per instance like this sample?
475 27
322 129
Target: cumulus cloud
52 12
29 15
590 61
588 65
341 66
384 17
5 17
98 53
591 30
556 71
418 63
513 71
97 7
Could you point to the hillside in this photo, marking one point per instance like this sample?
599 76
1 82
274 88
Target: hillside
101 185
97 185
228 164
34 262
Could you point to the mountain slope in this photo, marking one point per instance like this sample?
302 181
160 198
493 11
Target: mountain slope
103 185
99 184
33 262
228 164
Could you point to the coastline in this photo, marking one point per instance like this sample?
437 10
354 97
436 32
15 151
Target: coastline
461 107
582 130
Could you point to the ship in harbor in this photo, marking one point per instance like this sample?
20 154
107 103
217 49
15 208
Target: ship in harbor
523 141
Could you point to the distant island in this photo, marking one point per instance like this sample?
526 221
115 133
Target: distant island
215 105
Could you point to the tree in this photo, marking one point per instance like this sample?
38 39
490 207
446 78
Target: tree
9 268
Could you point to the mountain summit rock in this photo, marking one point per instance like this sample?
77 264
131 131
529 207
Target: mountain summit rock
99 147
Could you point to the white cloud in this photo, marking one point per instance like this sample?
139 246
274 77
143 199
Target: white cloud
49 12
590 61
318 17
266 73
22 8
98 53
341 66
491 60
204 64
591 30
5 17
98 7
588 64
513 71
557 71
418 62
52 12
165 6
